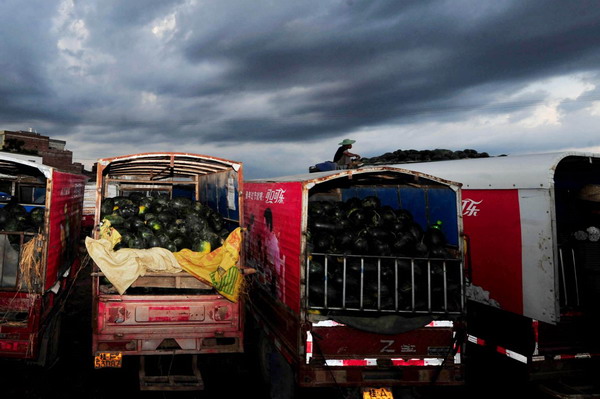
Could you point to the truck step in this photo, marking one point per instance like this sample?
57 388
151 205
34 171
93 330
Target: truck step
191 381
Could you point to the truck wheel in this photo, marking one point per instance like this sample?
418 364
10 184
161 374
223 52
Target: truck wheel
263 351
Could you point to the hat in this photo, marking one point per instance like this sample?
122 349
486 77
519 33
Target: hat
347 142
590 192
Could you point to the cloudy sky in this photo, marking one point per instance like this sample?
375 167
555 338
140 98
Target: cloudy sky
277 84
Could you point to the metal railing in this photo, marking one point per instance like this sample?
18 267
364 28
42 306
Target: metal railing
355 283
579 274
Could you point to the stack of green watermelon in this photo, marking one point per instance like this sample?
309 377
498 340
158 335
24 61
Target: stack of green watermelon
14 217
377 242
172 223
365 227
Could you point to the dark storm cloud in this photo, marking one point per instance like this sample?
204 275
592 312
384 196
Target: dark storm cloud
320 68
22 51
395 65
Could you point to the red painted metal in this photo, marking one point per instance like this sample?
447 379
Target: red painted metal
495 213
275 246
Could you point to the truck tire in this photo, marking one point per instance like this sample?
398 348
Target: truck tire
263 351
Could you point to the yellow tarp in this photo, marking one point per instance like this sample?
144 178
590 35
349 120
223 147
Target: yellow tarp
218 268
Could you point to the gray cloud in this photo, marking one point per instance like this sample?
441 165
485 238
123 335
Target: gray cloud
236 72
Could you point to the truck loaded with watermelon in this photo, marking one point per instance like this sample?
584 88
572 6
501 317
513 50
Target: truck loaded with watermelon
40 219
359 280
167 267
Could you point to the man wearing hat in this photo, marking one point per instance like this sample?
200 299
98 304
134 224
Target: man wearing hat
343 156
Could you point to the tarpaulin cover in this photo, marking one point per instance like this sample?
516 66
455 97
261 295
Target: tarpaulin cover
124 266
217 268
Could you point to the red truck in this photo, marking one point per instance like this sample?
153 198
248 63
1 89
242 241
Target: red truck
532 223
40 218
346 292
163 314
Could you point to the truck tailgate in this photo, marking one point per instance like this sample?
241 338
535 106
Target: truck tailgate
187 323
345 343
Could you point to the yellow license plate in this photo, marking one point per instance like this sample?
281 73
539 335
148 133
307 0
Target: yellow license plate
108 359
377 393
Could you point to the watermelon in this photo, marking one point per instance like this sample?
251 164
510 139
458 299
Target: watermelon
173 224
37 216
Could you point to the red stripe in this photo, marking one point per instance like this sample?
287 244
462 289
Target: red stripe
354 362
536 331
410 362
169 308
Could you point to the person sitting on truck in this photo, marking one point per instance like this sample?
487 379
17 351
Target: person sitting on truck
343 157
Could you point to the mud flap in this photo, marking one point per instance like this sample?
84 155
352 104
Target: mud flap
170 382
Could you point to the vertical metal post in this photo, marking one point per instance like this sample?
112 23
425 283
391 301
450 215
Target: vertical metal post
325 281
445 286
378 283
396 306
575 276
308 259
362 282
564 278
429 285
412 282
344 285
462 285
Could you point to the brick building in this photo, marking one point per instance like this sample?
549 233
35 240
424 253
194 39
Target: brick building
51 151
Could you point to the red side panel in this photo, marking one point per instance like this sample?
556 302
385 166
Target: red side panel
492 222
65 223
19 339
273 213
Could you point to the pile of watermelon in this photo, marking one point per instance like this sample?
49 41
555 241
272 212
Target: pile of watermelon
171 223
365 256
15 217
364 227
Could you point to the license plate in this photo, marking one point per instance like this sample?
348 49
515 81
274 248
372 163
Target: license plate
108 359
377 393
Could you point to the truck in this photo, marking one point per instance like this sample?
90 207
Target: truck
40 218
352 288
531 223
169 314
